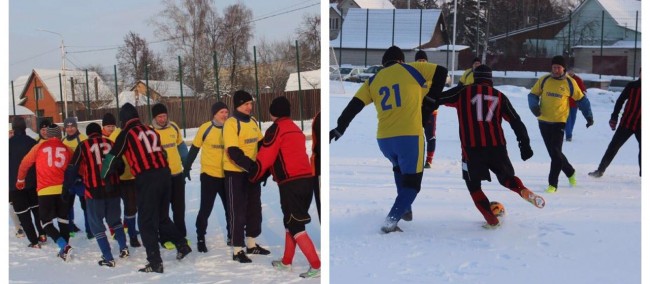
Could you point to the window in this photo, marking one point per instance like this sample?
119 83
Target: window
40 112
39 93
334 23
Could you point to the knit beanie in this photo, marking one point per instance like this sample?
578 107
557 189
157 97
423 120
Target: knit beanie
128 112
19 124
70 121
93 128
483 72
392 55
476 59
421 55
158 109
44 123
280 107
240 98
216 107
559 60
54 131
108 119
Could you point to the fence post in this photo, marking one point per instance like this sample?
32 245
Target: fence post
180 78
537 40
13 97
302 123
365 60
602 34
393 33
341 44
117 94
636 33
60 92
146 80
87 97
420 35
216 73
36 99
257 89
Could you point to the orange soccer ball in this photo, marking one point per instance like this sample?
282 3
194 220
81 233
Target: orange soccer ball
497 208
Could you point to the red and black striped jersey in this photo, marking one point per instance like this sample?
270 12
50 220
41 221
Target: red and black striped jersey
632 112
480 109
140 144
88 158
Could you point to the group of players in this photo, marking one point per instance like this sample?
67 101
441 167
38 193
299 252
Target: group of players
406 95
147 164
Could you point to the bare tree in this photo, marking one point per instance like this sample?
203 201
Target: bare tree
309 42
134 56
236 31
274 60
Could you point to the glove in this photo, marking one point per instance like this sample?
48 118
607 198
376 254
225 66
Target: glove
526 151
186 173
20 184
536 111
612 123
590 122
335 134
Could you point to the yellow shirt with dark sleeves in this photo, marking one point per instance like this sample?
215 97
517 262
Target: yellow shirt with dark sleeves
170 138
397 96
211 149
554 98
72 144
127 175
249 135
467 78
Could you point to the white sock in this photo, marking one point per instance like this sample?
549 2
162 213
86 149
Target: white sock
250 242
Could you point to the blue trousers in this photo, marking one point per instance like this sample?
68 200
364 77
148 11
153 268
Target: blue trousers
570 122
109 209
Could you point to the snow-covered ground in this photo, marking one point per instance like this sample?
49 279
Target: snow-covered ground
587 234
28 265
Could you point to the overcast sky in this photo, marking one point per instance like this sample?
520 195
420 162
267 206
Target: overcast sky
92 25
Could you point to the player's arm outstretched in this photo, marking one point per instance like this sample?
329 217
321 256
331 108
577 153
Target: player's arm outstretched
511 116
351 110
625 94
437 84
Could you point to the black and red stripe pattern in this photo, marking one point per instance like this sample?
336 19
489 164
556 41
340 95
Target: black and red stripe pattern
141 146
479 109
632 112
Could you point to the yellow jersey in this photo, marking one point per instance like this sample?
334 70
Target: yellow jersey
554 94
245 135
127 175
72 143
209 138
467 78
170 138
397 92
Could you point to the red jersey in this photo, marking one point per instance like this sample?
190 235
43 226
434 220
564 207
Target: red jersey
140 144
632 112
51 158
88 157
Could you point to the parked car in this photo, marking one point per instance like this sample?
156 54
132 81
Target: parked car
369 72
617 85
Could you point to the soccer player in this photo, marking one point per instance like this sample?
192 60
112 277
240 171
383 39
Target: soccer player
573 110
141 146
50 158
72 138
102 199
481 109
315 159
397 92
430 125
468 76
209 139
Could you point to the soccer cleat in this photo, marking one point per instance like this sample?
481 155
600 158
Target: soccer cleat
72 234
408 216
241 257
311 273
596 173
134 242
157 268
20 233
169 245
200 245
124 253
257 250
183 252
104 262
36 246
390 226
66 253
533 198
90 236
572 180
551 189
278 265
569 139
75 228
427 165
487 226
42 239
229 242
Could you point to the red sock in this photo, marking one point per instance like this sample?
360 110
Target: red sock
483 205
430 156
289 249
307 248
514 184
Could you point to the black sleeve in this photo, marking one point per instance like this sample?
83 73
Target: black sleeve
191 156
120 145
437 84
625 94
351 110
510 115
239 158
71 172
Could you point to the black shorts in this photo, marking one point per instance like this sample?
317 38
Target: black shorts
295 199
480 161
51 207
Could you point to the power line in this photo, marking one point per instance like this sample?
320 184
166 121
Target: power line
33 57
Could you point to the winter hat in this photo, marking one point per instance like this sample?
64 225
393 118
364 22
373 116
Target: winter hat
216 107
128 112
476 59
483 72
44 123
70 121
108 119
93 128
421 55
392 55
158 109
559 60
280 107
19 124
54 131
241 97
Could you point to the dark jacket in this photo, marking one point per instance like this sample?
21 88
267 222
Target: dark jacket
19 146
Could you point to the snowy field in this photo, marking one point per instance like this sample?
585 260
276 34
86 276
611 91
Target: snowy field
587 234
28 265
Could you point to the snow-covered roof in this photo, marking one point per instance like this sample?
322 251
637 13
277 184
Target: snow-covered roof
130 97
618 44
623 12
374 4
169 88
380 26
310 80
449 47
336 8
20 110
50 79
